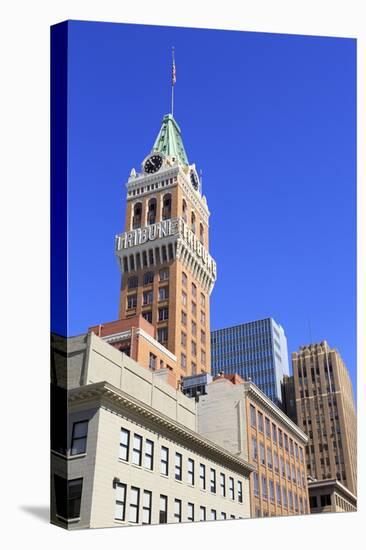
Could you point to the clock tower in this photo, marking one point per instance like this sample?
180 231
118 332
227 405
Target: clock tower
167 271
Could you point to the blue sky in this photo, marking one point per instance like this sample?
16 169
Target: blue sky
271 120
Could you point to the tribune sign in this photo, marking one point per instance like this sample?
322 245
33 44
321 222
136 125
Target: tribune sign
162 230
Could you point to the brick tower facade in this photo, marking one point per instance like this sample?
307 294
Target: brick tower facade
167 271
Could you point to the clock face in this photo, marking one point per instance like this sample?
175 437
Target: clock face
153 164
194 179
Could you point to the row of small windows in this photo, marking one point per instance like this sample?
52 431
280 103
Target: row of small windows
148 278
141 453
275 493
193 290
147 297
263 423
152 186
143 509
287 470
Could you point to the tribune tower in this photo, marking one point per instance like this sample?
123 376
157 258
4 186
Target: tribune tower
167 271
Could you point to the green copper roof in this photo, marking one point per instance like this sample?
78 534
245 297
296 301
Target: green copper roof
169 140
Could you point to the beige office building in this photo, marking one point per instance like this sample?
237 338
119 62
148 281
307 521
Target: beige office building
325 410
239 415
132 453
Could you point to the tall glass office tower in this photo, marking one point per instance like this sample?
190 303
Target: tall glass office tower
255 350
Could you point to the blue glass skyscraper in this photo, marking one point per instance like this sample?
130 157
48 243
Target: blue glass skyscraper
256 351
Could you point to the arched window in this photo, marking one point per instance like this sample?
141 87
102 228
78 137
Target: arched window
151 212
184 210
201 233
167 207
137 213
193 222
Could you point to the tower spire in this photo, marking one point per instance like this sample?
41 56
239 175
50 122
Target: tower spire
174 79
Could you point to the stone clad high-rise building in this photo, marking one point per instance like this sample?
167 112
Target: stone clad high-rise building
167 271
325 410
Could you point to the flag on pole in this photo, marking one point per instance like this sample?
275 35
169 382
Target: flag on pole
174 74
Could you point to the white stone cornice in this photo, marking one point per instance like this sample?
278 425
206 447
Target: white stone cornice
122 399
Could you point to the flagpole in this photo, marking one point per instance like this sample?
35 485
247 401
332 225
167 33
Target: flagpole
173 79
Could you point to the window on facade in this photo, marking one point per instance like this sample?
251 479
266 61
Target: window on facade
223 515
285 439
203 337
254 448
268 427
163 314
148 278
203 318
136 220
194 328
325 500
284 497
178 466
264 487
301 454
231 488
167 207
193 222
131 301
213 515
293 473
163 293
202 476
151 212
164 460
280 442
194 348
201 233
183 339
202 513
79 437
137 450
261 454
271 490
269 458
184 210
291 447
164 274
194 290
152 361
162 335
134 505
163 509
190 471
203 357
184 279
275 462
193 369
124 444
178 510
253 417
212 480
255 484
147 297
260 421
133 282
183 361
120 509
240 491
68 497
146 507
203 300
278 492
313 501
288 470
184 298
190 511
147 315
222 485
274 433
149 454
290 500
194 308
184 318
